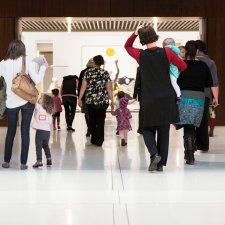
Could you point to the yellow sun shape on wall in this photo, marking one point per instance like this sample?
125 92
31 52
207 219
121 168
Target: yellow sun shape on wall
110 52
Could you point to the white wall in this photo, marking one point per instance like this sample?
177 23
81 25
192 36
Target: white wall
72 50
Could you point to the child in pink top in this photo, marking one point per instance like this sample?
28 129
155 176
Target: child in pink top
57 109
123 116
42 123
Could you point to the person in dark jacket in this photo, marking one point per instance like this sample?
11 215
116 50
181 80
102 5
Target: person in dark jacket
158 96
211 100
192 82
69 98
90 64
137 95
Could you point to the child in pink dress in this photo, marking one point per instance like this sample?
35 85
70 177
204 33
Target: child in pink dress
57 109
123 116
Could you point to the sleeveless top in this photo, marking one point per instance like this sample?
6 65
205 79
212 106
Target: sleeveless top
158 96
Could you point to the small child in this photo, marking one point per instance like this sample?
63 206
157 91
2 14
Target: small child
57 109
174 72
42 122
182 52
123 116
119 95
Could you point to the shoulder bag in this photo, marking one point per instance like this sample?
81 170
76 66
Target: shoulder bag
23 85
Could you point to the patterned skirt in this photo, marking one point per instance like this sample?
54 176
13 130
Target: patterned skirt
191 108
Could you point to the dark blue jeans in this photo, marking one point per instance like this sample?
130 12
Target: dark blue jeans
41 140
12 117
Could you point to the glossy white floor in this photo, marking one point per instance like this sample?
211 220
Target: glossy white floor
110 185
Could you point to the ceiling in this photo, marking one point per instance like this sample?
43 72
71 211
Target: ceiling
60 24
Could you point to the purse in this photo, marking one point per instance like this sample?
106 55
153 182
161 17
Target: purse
23 85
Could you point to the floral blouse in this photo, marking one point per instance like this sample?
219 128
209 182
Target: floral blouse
96 93
123 119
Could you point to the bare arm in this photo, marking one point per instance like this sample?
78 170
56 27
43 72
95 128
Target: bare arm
82 91
215 92
117 71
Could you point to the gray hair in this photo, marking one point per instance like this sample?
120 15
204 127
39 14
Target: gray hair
168 41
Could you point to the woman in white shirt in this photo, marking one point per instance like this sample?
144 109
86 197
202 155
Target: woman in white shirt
9 67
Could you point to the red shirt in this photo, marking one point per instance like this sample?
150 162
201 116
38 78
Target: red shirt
135 53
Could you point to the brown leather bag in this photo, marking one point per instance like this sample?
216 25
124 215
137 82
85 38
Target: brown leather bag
23 85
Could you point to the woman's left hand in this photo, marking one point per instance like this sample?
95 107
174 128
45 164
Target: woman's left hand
215 102
80 103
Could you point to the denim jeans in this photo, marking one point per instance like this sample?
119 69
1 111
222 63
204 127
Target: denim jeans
41 140
12 116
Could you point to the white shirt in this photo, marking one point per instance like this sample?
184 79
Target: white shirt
41 120
9 70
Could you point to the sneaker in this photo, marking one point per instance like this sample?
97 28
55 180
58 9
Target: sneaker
5 165
160 168
54 128
154 162
49 162
70 128
38 164
23 167
59 128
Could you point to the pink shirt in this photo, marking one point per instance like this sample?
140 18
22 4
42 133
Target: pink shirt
57 104
41 120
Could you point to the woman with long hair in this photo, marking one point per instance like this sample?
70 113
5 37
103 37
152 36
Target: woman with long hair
192 82
9 68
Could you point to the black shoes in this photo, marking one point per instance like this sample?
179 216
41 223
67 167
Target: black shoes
159 168
49 162
154 162
38 164
70 129
123 142
5 165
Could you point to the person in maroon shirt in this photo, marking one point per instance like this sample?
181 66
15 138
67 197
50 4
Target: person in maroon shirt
158 96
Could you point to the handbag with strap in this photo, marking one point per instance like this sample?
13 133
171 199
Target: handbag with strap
23 85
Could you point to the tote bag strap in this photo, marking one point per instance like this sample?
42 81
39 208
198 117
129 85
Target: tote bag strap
23 70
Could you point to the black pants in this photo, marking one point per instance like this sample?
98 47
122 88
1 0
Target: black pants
41 140
70 105
202 136
12 115
97 124
84 110
140 122
161 146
